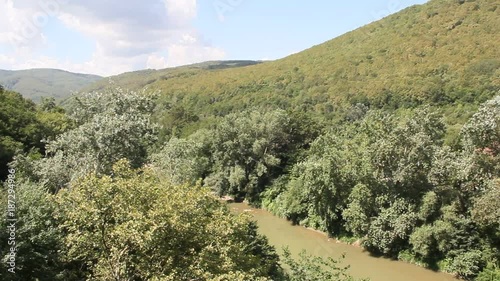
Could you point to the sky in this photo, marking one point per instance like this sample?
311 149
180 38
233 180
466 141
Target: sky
109 37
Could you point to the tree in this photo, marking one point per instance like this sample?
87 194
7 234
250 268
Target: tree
135 225
245 148
467 265
19 128
486 209
423 241
389 232
182 160
109 126
429 207
403 159
490 273
38 239
357 215
482 131
47 104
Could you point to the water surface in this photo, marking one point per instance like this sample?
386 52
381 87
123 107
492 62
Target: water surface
282 233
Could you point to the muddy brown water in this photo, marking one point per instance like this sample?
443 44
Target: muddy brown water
282 233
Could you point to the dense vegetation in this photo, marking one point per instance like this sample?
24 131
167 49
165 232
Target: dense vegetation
94 208
36 84
145 78
24 125
389 134
387 179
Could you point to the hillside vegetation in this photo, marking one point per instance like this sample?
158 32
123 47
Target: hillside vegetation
92 207
24 125
442 52
37 83
144 78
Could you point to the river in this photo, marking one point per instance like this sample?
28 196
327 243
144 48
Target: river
282 233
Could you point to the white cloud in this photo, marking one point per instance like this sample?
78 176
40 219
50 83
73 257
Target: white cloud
180 11
128 35
21 25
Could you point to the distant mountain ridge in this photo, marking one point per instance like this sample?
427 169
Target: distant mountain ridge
143 78
37 83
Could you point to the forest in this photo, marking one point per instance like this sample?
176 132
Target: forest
96 201
387 137
113 195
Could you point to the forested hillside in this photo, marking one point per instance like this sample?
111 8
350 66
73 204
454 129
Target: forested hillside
145 78
36 84
443 52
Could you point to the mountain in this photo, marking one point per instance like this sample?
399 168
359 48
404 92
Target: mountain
37 83
441 52
142 78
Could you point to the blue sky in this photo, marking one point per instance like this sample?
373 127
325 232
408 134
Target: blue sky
108 37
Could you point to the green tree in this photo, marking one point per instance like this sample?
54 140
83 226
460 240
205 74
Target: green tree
109 126
38 239
490 273
486 209
245 148
423 241
403 159
182 160
19 128
136 226
359 210
467 265
390 231
482 131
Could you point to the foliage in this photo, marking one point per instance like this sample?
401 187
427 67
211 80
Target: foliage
391 229
466 265
362 149
245 149
136 226
181 160
486 209
490 273
108 126
395 184
23 126
311 268
358 212
403 158
38 239
239 155
482 131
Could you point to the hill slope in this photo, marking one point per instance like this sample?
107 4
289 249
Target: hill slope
442 52
37 83
142 78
